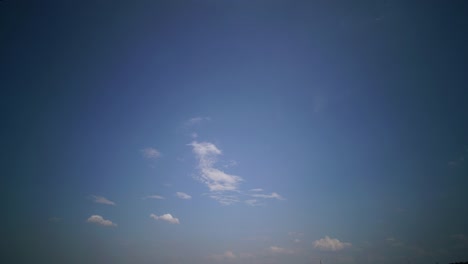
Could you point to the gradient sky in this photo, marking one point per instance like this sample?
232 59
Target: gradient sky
234 131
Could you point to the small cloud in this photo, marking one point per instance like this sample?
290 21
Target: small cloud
194 135
101 200
268 196
154 197
394 242
280 250
252 202
151 153
229 164
295 236
183 195
166 217
330 244
256 190
97 219
197 120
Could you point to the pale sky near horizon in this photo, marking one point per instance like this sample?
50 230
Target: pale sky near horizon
260 132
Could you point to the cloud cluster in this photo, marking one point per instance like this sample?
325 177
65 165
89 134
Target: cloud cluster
166 217
101 200
330 244
151 153
183 195
217 180
97 219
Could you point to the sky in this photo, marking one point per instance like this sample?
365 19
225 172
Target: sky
228 132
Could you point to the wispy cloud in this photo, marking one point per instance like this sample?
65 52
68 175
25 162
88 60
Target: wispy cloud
224 199
159 197
268 196
253 202
217 180
280 250
97 219
183 195
295 236
101 200
330 244
151 153
394 242
197 120
166 217
223 187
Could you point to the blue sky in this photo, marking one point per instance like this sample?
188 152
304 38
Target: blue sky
234 131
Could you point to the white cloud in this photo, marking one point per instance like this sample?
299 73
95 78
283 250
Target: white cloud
217 180
151 153
183 195
97 219
197 120
166 217
268 196
159 197
194 135
225 199
252 202
280 250
101 200
296 236
256 190
330 244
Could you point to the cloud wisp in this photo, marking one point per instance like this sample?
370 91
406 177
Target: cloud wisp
330 244
223 187
216 180
183 195
158 197
166 217
280 250
196 120
101 200
99 220
151 153
268 196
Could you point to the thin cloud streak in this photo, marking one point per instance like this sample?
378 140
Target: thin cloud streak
101 200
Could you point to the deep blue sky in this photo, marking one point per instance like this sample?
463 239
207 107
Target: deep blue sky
234 131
